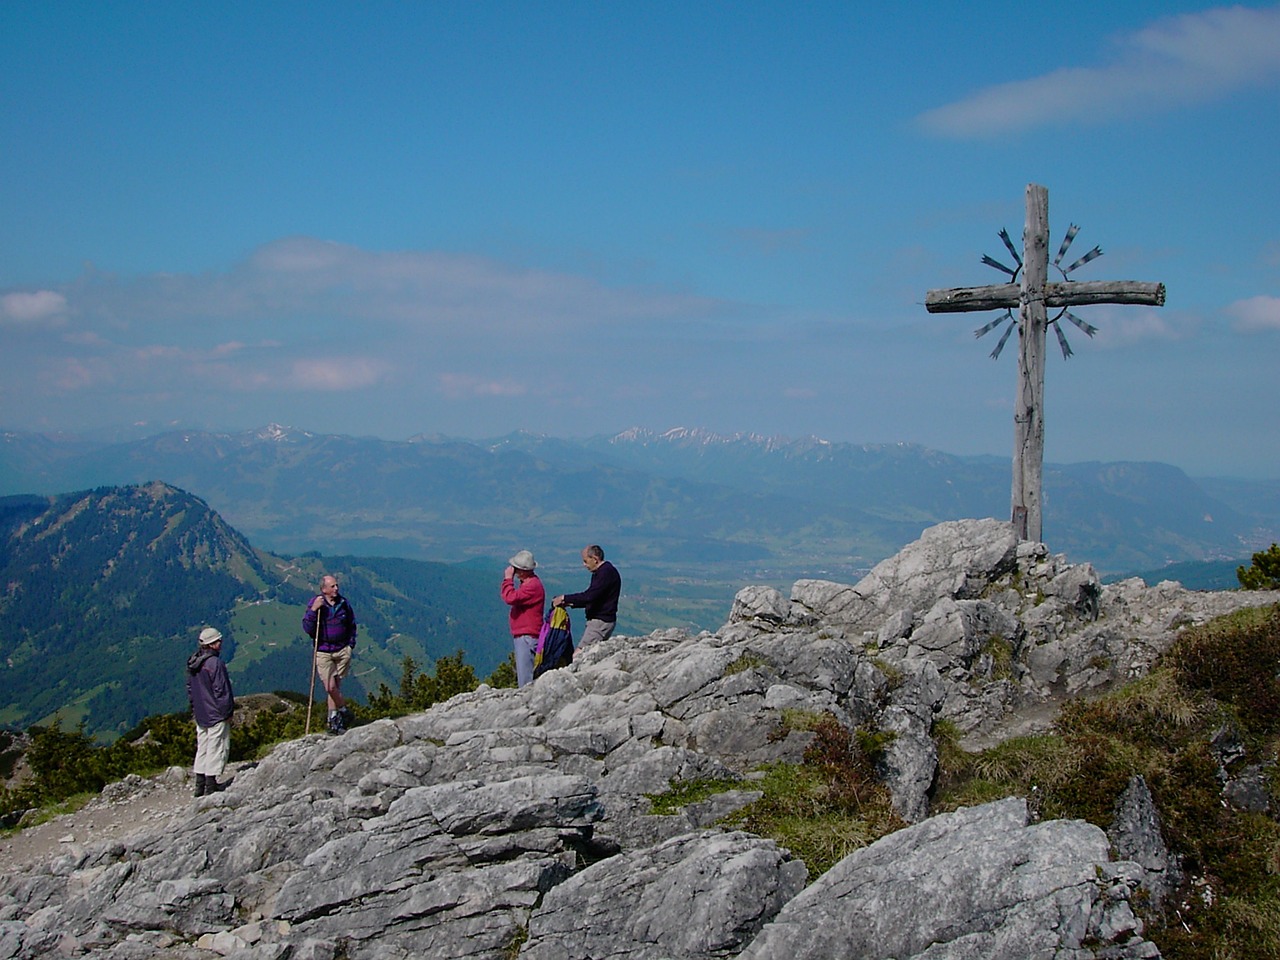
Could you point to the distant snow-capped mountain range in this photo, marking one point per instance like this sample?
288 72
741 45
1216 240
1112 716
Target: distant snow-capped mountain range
683 499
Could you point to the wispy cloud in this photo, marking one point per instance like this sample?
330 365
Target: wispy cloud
336 373
299 278
1176 61
1125 326
34 307
460 386
326 322
1255 314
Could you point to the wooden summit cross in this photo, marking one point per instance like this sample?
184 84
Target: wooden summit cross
1033 297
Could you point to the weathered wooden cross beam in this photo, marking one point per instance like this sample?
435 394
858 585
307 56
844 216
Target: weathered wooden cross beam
1033 297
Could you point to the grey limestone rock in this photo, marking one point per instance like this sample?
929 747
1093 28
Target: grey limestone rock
977 883
759 602
1136 835
910 761
1250 790
699 896
508 820
957 559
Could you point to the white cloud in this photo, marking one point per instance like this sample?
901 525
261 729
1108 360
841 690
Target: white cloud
302 315
1180 60
1255 314
302 280
336 374
458 386
1126 326
71 375
348 334
32 307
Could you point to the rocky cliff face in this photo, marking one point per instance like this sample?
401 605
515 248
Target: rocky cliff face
517 823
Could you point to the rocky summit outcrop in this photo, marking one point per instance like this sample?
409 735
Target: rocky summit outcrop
1009 626
510 823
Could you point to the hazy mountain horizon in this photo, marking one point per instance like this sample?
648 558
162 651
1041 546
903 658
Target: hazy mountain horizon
681 504
635 433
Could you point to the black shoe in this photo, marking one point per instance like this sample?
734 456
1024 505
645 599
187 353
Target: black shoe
336 726
201 785
347 716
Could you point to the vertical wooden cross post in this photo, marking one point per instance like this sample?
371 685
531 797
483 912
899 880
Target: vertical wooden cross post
1033 297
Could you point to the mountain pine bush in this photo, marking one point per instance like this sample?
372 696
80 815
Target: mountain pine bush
1264 574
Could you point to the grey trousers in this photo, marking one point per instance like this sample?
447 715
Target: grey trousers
596 630
525 648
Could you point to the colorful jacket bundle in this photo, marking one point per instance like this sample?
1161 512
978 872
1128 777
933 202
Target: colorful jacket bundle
555 642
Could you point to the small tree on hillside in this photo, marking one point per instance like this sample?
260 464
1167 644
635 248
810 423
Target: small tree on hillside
1265 572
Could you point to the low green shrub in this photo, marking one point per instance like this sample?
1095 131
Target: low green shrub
1219 675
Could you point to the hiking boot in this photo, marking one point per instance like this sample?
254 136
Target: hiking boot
336 726
347 716
201 785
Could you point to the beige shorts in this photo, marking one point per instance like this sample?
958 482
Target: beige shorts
333 664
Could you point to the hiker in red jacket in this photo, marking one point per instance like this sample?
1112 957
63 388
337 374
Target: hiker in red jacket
526 600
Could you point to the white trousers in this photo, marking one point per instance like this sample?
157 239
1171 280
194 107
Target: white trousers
213 744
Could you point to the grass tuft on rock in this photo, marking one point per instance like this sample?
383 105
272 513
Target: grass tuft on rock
825 807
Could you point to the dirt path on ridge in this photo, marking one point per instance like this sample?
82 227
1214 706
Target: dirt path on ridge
130 805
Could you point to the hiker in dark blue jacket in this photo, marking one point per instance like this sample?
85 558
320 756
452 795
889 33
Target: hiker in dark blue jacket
212 703
600 598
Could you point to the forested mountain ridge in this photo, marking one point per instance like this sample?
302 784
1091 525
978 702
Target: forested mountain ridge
101 585
107 589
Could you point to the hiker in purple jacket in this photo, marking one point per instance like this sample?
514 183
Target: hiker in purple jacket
600 598
334 648
212 703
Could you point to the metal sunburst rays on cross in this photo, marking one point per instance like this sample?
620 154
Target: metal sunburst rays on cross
1064 314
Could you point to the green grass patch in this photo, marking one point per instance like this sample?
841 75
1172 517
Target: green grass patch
748 661
793 718
518 940
689 791
825 807
46 813
1000 651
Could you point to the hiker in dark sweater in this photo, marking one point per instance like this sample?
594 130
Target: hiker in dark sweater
600 598
212 703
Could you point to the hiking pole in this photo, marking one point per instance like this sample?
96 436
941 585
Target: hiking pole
315 655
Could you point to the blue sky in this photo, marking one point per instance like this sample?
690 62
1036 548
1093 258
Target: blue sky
470 218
